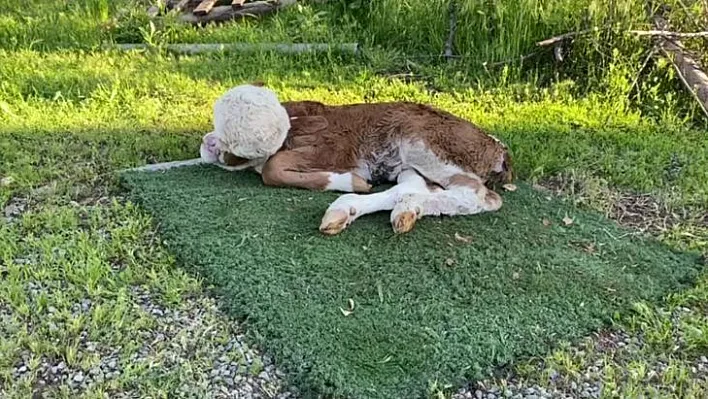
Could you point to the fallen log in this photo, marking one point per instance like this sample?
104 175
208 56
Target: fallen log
285 48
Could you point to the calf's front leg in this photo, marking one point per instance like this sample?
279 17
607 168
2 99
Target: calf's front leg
348 207
283 170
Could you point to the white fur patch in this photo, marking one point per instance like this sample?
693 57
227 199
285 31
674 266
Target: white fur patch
340 182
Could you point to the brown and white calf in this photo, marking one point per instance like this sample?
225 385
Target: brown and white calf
439 162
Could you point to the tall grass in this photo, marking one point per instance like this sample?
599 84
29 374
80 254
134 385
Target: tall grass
491 39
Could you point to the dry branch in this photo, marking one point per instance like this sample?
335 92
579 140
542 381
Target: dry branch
669 34
556 39
167 165
288 48
688 69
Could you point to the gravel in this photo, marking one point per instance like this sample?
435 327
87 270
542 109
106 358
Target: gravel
14 208
192 340
234 369
588 382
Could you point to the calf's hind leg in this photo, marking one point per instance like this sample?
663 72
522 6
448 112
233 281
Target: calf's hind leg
464 192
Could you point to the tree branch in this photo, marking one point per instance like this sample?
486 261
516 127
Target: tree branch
666 33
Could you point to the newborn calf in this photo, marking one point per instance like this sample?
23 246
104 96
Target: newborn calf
439 161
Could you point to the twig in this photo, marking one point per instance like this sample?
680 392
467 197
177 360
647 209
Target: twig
508 61
452 14
664 33
167 165
641 69
669 34
287 48
565 36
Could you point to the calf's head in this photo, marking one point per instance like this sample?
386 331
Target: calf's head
502 171
250 125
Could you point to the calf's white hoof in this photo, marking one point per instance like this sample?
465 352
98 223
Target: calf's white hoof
404 216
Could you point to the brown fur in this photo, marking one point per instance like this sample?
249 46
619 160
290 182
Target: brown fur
336 138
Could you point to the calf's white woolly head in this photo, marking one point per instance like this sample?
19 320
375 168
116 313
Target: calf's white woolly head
250 125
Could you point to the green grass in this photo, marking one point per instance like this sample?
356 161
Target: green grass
71 115
428 307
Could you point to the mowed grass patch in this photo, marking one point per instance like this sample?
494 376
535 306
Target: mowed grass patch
428 306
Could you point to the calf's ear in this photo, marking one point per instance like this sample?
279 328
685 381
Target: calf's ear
308 124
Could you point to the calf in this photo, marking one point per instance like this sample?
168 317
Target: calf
440 162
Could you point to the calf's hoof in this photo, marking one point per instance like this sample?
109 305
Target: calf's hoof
334 222
360 185
404 222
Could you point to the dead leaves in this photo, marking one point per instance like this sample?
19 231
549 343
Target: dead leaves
461 238
567 221
349 310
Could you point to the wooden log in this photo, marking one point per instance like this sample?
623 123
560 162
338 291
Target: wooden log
286 48
236 4
228 13
688 69
204 7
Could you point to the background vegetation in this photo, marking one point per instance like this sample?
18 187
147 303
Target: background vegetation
71 114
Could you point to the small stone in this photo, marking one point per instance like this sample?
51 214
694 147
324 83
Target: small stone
22 369
478 394
229 381
6 181
14 209
78 377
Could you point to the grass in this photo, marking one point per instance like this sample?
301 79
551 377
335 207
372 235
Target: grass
428 307
71 115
